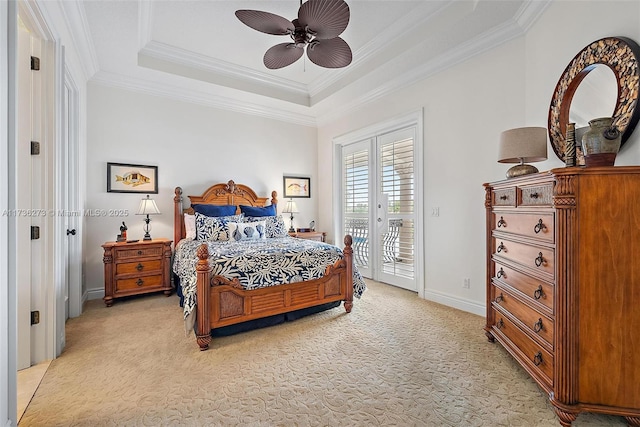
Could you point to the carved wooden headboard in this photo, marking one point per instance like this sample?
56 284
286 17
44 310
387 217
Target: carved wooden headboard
218 194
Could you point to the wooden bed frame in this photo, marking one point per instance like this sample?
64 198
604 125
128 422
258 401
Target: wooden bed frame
223 302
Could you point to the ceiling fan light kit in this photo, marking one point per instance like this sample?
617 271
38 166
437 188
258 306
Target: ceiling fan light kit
317 30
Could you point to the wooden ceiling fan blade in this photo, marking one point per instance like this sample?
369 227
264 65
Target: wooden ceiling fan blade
281 55
325 18
331 53
265 22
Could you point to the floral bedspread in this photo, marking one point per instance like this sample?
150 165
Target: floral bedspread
258 263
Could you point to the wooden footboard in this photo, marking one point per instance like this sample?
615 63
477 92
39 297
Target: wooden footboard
222 302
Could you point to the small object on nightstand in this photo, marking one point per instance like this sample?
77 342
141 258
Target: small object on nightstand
123 233
136 268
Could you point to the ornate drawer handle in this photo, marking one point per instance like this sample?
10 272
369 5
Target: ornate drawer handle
140 252
502 223
537 294
539 226
499 324
539 260
139 267
139 282
537 327
501 273
499 298
501 247
503 197
534 195
537 359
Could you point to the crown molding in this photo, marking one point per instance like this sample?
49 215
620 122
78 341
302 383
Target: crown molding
399 30
145 23
185 58
76 19
197 97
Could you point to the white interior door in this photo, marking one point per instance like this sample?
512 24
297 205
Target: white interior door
378 204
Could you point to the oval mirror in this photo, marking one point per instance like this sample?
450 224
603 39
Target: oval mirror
595 97
620 56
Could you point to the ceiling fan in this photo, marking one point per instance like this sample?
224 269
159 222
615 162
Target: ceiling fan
317 28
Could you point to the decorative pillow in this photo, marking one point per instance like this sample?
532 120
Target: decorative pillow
246 230
214 228
215 210
256 211
275 225
190 226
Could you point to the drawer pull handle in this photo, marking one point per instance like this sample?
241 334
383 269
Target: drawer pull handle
502 223
537 359
501 247
500 273
140 252
534 195
537 294
139 267
139 282
499 324
539 260
537 327
539 226
499 298
503 197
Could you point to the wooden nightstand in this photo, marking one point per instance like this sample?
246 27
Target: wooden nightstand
310 235
136 268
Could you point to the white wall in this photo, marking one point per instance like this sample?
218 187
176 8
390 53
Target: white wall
194 147
465 109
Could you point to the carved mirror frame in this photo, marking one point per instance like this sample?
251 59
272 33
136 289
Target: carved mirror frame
621 55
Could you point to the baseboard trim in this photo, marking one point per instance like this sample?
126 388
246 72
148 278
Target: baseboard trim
95 293
456 302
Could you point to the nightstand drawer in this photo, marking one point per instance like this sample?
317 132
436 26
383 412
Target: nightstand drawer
504 197
537 225
139 267
139 283
137 252
537 258
541 195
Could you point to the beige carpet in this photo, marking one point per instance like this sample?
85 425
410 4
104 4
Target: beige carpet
395 360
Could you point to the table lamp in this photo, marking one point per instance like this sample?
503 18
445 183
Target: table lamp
520 145
147 207
291 208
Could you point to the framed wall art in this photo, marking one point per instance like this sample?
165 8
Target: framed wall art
126 178
297 186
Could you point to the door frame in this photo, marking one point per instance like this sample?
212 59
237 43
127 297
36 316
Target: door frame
413 118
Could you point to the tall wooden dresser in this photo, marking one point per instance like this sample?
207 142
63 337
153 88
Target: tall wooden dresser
563 284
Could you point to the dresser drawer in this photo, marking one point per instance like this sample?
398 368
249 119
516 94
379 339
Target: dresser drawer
537 225
139 267
540 195
536 323
504 197
138 283
537 258
535 289
136 252
535 357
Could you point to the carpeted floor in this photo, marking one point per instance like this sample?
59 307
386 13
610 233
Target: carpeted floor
395 360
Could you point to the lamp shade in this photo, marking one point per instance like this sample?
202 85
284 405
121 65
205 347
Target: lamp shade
148 207
528 144
290 207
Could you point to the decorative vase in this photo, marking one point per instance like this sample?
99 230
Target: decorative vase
600 144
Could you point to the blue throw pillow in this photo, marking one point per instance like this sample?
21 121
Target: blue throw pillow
254 211
215 210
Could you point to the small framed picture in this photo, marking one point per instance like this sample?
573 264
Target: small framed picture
126 178
297 186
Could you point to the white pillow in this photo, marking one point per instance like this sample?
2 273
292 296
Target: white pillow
190 226
247 230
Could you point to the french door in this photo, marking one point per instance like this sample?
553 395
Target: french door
379 201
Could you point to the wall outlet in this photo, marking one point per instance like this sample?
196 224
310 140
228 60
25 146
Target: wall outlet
466 283
435 211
